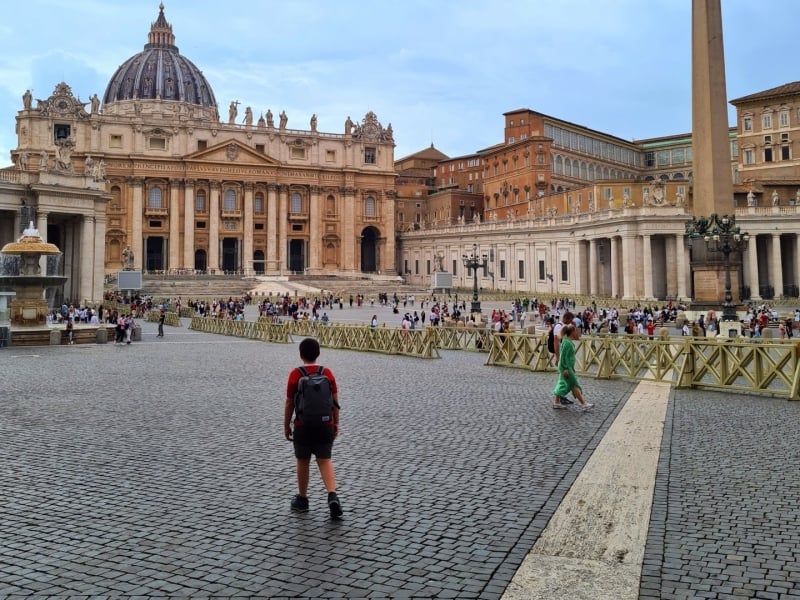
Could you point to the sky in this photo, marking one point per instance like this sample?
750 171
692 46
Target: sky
441 72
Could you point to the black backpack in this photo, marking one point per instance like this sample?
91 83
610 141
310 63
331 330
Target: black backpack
313 401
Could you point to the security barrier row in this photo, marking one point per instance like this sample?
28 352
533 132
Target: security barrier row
739 365
170 318
253 330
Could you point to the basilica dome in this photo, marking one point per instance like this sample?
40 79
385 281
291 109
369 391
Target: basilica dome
159 72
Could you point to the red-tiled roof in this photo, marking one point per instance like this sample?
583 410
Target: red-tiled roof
787 89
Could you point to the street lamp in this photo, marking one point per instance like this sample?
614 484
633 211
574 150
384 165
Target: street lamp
720 234
475 262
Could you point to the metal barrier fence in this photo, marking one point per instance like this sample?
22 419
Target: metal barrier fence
253 330
741 365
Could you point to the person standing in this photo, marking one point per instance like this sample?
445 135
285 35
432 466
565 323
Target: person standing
161 317
307 438
70 331
567 379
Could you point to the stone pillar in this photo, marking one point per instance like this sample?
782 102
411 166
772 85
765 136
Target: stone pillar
315 230
776 270
247 259
188 225
647 266
99 252
682 260
41 225
629 266
213 230
272 265
87 259
349 229
751 276
614 267
283 220
137 214
593 273
174 225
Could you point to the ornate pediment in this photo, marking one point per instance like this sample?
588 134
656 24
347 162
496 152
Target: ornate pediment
371 130
232 151
62 103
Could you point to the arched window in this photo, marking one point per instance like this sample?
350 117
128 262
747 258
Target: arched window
605 173
154 200
258 203
370 209
576 169
584 171
200 201
591 172
230 200
568 168
296 204
559 165
116 195
330 206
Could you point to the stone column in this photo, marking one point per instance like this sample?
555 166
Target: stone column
271 265
629 266
174 225
647 266
593 274
682 260
283 220
751 276
349 230
87 259
99 251
776 274
188 224
247 259
614 267
41 225
315 230
213 230
137 214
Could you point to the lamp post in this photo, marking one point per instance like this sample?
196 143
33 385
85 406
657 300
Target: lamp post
720 234
475 262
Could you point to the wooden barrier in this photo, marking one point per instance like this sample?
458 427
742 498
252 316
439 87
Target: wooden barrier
170 318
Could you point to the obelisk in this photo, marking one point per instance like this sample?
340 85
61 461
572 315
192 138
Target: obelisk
712 189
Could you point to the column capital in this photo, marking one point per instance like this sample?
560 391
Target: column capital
249 186
215 185
189 183
135 181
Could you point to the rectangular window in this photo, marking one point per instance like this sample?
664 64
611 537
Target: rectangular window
369 155
747 124
330 155
521 269
649 159
299 153
767 154
405 267
260 148
115 141
511 139
455 266
428 266
564 271
607 193
157 143
734 149
677 156
784 119
502 269
766 121
748 157
662 158
785 154
200 225
258 204
416 267
203 144
542 272
155 224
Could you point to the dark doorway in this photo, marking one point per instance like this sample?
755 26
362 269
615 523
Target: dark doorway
369 250
155 253
258 262
297 256
200 262
230 255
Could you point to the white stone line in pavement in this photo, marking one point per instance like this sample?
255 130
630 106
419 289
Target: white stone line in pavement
593 546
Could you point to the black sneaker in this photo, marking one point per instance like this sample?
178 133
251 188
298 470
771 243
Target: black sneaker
334 505
564 400
300 504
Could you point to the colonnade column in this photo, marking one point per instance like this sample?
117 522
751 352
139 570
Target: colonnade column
87 259
136 222
272 229
248 229
683 266
188 224
349 230
593 274
776 273
615 267
213 230
174 225
647 267
283 219
752 269
41 225
315 229
99 250
629 266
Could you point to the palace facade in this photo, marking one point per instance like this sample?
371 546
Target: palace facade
150 171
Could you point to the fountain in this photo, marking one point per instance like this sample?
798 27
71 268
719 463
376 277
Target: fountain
21 277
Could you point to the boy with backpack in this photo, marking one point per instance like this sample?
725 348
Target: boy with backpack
312 398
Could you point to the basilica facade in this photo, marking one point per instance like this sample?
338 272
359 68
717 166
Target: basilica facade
152 174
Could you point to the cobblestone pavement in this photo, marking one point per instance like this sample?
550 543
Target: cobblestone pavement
159 469
725 522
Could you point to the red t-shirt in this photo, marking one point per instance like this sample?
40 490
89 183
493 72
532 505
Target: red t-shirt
295 375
